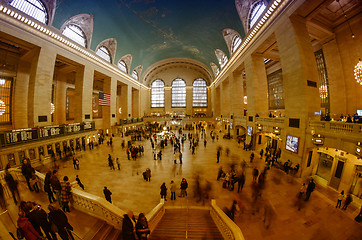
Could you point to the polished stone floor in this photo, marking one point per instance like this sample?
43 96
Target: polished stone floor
317 219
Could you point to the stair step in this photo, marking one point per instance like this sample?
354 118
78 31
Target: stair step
95 228
103 232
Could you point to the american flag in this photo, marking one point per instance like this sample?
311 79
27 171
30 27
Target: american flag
104 99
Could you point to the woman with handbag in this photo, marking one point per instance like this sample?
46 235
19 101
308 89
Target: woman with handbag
142 229
60 220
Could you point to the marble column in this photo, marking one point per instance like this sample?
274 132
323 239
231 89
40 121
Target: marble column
109 113
189 108
83 93
60 99
135 102
40 87
20 106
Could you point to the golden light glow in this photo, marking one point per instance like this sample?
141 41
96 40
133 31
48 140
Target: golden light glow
358 72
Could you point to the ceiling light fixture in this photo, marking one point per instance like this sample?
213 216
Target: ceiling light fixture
323 91
358 72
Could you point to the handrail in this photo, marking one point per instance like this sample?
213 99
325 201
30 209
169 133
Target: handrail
155 215
336 126
227 228
88 203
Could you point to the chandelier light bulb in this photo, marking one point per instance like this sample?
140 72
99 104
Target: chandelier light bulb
358 72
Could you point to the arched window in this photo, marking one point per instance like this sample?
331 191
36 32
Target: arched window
178 93
199 93
157 94
76 34
256 10
236 43
122 65
223 60
33 8
134 74
104 53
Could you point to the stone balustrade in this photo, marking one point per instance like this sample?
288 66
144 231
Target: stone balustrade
336 127
155 215
227 228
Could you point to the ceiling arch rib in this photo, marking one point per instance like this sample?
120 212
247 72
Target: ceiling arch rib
229 36
111 45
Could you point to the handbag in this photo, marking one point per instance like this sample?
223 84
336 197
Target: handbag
20 233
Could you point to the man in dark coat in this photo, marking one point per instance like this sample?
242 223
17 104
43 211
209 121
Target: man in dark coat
27 170
310 189
13 185
107 194
128 227
39 219
241 181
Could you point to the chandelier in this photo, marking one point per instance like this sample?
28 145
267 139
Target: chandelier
358 72
245 100
323 91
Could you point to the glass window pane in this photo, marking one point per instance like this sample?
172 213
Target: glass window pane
104 53
158 94
178 93
122 65
199 93
33 8
134 75
223 61
236 43
76 34
256 11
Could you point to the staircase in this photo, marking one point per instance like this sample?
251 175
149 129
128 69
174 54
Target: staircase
186 224
103 231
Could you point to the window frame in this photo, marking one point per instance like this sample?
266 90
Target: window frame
234 46
19 4
257 13
84 37
174 100
134 74
107 52
124 69
162 92
201 105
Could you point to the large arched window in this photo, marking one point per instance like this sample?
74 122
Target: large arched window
157 94
236 43
122 65
134 74
199 93
178 93
33 8
223 60
104 53
76 34
256 11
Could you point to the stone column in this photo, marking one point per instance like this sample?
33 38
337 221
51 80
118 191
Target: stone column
20 104
257 83
225 104
168 99
237 94
145 103
338 101
60 99
189 108
40 87
217 101
123 100
109 113
83 93
135 103
129 101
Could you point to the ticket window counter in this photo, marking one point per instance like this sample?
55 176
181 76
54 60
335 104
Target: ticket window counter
325 166
11 159
77 144
32 154
41 151
65 145
356 188
21 156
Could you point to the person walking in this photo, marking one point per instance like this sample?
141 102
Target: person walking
12 184
218 156
255 174
47 187
340 198
241 181
60 220
347 201
55 183
107 194
148 175
184 186
310 189
173 190
142 229
110 162
118 164
79 182
163 191
252 157
27 170
38 217
66 194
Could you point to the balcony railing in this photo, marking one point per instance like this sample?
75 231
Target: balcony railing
337 127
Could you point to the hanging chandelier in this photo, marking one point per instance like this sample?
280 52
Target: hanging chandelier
323 91
358 72
52 108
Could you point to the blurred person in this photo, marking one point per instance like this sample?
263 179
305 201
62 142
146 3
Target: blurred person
39 219
79 182
57 188
347 201
340 198
163 192
47 187
107 194
29 232
310 189
12 184
66 194
173 190
60 220
128 226
27 170
183 187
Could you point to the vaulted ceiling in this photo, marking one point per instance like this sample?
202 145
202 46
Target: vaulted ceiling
153 30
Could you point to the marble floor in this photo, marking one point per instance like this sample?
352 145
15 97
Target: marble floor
317 219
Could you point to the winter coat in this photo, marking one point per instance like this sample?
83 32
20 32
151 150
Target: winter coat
28 229
66 192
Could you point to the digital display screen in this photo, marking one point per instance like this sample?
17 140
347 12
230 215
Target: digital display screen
250 131
359 112
292 144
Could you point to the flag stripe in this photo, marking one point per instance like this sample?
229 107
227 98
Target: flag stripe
104 99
